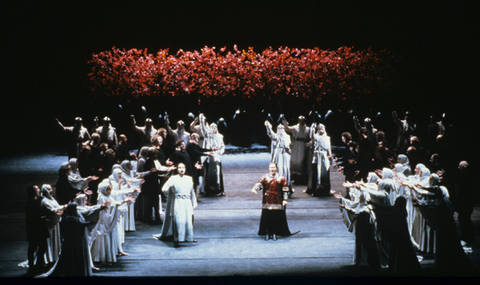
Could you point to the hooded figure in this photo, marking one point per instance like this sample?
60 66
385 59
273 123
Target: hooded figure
74 259
213 177
319 177
75 179
450 257
281 151
105 236
300 137
53 215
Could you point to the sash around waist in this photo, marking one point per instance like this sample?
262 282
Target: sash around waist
182 196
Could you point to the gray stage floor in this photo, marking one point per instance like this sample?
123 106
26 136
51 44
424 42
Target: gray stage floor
225 227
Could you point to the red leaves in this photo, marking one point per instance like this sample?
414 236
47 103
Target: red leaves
286 71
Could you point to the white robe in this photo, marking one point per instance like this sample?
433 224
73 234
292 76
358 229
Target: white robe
321 151
54 245
300 136
280 152
179 210
105 235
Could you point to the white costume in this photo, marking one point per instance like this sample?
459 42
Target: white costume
213 171
421 232
105 235
75 179
181 201
300 136
54 241
319 184
280 150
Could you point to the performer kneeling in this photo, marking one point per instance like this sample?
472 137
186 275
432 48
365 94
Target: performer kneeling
275 190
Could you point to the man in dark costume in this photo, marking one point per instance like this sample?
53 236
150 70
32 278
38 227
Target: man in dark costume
196 152
37 230
78 135
275 190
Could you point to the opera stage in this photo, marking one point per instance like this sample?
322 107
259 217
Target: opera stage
225 227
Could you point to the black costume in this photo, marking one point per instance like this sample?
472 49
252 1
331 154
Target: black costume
37 233
74 258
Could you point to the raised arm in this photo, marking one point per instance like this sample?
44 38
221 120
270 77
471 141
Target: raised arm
270 132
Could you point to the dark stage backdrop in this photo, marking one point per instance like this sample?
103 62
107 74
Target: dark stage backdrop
46 46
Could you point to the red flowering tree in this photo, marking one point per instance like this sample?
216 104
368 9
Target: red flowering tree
305 73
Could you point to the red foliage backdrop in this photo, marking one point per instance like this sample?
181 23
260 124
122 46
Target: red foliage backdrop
305 73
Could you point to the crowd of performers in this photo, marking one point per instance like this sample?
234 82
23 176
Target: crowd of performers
398 200
105 187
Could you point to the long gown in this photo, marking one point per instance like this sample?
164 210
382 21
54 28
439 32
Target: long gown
319 176
450 257
181 201
105 234
213 178
119 193
74 259
392 222
298 165
129 217
422 233
280 152
273 219
54 242
360 219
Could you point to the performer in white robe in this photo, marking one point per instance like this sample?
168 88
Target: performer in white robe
403 160
181 201
213 183
388 177
319 176
105 235
90 214
54 215
360 219
122 189
399 171
134 179
300 136
421 232
75 179
281 144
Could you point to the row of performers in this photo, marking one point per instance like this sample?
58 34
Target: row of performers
394 216
304 157
96 233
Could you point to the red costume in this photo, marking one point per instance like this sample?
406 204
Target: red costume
275 191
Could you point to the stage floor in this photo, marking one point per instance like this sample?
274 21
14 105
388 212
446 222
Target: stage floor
225 227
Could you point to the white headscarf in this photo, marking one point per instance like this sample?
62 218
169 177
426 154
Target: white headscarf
46 193
387 173
73 166
372 178
124 166
424 176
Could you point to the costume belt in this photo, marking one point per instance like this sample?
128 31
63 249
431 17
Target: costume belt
300 139
182 196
